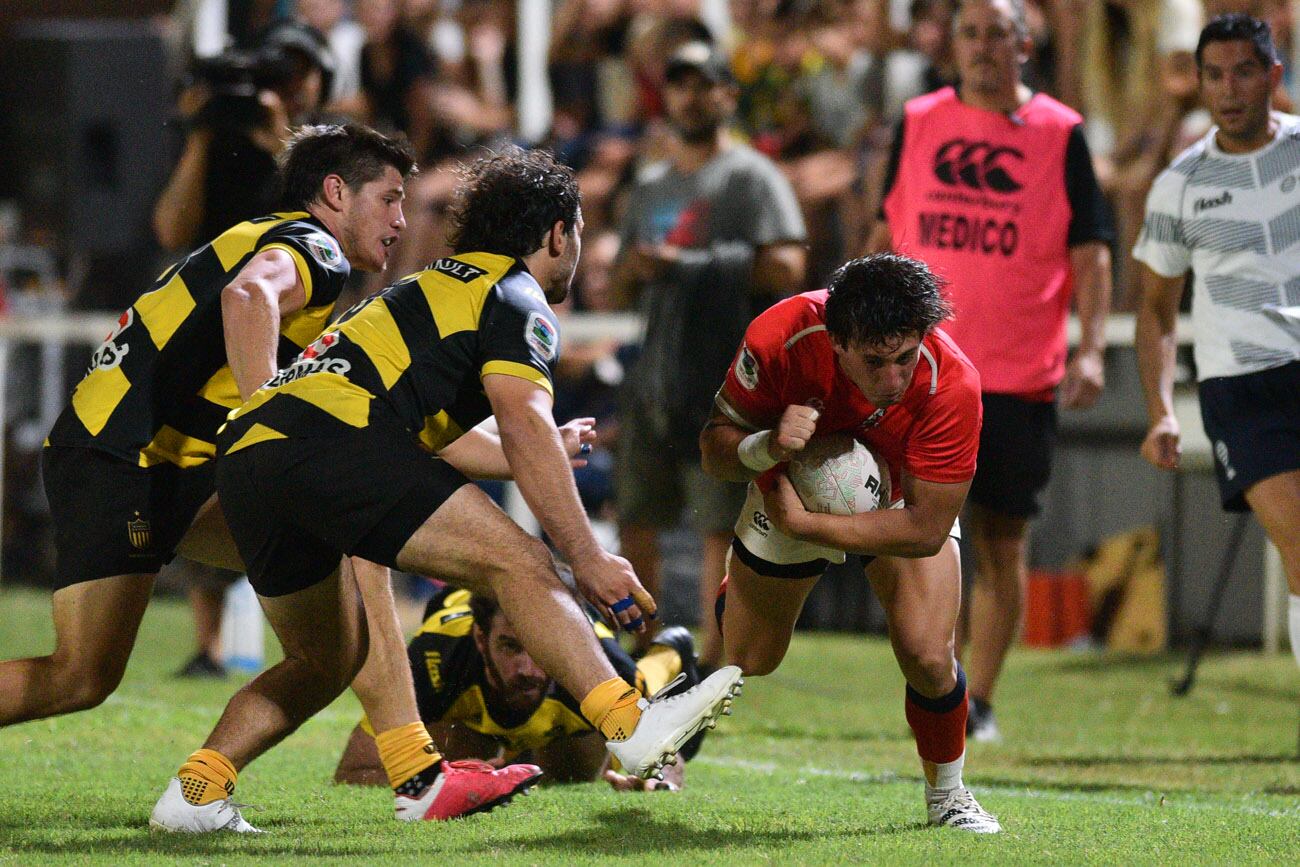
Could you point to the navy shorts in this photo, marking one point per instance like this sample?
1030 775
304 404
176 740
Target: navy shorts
112 517
1253 423
295 506
1015 456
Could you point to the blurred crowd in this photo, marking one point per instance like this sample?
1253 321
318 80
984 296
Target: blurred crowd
822 88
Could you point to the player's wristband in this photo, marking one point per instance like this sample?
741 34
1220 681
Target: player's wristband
753 452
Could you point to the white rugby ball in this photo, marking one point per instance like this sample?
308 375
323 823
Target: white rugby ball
838 475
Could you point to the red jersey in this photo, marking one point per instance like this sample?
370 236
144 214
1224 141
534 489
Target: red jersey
932 433
981 198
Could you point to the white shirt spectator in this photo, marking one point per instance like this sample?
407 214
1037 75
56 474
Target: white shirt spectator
1234 220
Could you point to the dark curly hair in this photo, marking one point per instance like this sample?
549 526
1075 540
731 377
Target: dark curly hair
882 299
484 608
507 202
1235 26
354 152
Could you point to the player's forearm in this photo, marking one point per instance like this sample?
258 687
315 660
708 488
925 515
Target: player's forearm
540 467
179 210
478 454
360 764
1157 347
1092 292
250 317
719 455
884 532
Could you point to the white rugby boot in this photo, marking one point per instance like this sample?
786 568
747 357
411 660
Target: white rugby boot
669 721
957 808
174 813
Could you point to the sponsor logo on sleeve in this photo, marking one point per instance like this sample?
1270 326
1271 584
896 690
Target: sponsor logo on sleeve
110 353
541 336
747 369
324 249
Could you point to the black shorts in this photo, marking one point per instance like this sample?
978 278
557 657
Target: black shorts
1253 422
1015 457
112 517
295 506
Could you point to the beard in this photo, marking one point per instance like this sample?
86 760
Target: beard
701 132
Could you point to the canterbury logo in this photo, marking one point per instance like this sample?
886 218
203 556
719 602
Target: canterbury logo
977 165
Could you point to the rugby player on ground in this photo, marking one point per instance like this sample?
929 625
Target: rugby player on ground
864 357
482 696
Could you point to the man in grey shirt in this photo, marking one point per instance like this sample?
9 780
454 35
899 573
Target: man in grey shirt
711 237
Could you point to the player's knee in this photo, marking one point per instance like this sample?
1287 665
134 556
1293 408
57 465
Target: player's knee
83 688
928 669
755 660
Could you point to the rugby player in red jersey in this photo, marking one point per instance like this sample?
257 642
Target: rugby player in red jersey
863 357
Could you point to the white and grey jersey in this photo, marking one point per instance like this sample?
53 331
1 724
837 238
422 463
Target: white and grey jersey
1234 219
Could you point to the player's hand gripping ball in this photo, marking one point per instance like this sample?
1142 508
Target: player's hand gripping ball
838 475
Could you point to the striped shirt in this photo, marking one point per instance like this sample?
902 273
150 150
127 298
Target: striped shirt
422 346
160 386
1234 220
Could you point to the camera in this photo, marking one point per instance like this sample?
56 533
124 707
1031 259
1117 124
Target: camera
235 77
286 51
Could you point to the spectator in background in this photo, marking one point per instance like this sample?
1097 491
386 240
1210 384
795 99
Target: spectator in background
1137 92
346 38
992 186
235 130
710 238
1225 211
397 75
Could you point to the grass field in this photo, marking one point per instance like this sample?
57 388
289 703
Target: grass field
1100 764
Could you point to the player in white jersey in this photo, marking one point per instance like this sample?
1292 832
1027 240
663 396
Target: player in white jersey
1228 209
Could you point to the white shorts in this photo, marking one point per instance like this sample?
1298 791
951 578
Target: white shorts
768 551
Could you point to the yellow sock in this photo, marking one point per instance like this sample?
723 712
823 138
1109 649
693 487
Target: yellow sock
658 667
207 776
612 708
405 751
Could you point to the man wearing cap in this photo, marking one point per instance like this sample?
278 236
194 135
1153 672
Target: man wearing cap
226 171
712 236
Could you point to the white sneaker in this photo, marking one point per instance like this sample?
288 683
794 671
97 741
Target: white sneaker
668 722
174 813
957 808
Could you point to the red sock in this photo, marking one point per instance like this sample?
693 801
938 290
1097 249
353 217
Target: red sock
939 724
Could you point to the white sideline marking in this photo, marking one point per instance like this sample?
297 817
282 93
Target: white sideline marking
1150 800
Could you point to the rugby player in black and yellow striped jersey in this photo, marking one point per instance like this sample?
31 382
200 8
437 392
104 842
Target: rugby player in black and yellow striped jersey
128 467
483 697
335 455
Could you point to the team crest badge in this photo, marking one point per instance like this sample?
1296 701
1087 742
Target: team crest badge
747 369
541 335
139 533
324 249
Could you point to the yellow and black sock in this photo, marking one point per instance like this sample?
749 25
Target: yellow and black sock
612 708
207 776
658 667
410 758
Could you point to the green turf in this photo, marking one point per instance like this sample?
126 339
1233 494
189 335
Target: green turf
1100 764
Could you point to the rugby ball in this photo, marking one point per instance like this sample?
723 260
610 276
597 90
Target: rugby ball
838 475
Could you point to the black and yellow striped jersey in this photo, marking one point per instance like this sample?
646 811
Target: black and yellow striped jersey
422 346
451 684
159 387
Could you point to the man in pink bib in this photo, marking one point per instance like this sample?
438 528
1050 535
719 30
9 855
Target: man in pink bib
991 185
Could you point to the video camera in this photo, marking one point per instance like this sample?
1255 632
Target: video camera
236 76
